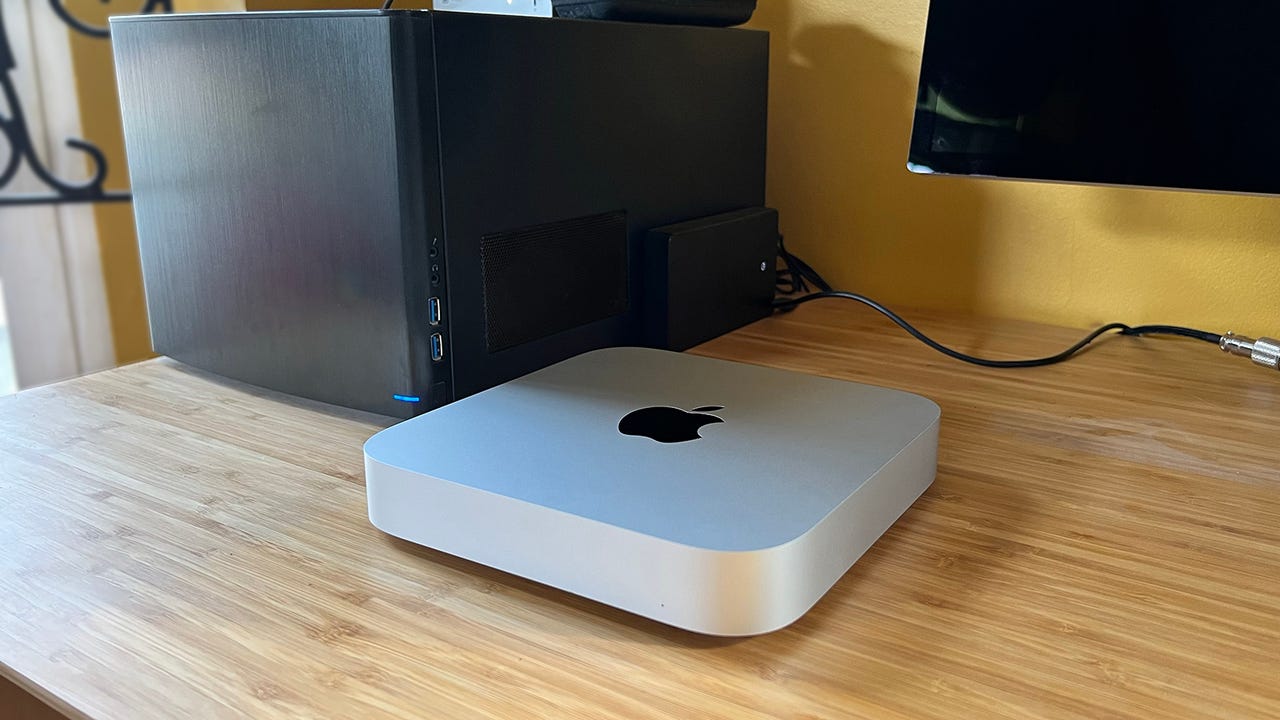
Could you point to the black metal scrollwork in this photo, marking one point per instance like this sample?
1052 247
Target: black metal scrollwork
164 6
14 131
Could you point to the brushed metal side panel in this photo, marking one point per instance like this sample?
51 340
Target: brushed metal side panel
263 163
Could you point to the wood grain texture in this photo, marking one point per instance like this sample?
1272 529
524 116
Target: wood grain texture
1102 541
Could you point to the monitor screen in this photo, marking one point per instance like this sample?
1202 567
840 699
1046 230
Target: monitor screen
1161 93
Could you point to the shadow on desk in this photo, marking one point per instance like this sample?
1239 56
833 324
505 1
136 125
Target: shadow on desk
294 401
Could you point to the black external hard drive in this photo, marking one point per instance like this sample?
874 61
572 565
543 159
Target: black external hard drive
706 277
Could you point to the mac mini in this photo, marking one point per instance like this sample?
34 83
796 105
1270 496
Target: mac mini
714 496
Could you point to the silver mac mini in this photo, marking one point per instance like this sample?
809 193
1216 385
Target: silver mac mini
714 496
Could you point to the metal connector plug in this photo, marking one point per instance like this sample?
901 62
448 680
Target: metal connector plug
1263 351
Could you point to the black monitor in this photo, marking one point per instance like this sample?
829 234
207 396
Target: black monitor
1159 93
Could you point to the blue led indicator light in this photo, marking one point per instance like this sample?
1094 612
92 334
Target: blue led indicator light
407 398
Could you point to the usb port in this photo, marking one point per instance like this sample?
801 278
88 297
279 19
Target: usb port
433 311
437 346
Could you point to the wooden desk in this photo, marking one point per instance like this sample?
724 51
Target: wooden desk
1102 541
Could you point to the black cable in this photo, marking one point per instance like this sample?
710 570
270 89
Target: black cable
791 303
1209 337
796 274
386 4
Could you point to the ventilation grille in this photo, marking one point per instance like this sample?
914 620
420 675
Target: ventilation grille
546 279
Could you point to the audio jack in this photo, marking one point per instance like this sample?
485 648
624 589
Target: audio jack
1263 351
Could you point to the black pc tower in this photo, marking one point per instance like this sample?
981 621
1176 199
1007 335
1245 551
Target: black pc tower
390 210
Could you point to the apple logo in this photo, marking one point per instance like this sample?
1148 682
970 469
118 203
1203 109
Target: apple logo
668 424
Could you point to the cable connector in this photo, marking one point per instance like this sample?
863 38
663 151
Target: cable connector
1263 351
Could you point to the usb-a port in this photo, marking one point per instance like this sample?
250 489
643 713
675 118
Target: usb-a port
437 346
433 311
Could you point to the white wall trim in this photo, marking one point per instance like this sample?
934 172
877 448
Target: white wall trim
78 228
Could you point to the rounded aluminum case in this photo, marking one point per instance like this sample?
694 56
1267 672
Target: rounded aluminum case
737 532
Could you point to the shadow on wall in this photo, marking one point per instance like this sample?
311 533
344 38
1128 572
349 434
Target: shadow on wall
1181 216
840 115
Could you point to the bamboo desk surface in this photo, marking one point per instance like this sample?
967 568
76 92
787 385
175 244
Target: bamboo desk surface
1102 541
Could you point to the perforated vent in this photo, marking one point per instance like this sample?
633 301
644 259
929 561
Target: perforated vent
546 279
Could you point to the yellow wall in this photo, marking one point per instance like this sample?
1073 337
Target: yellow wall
841 96
100 118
